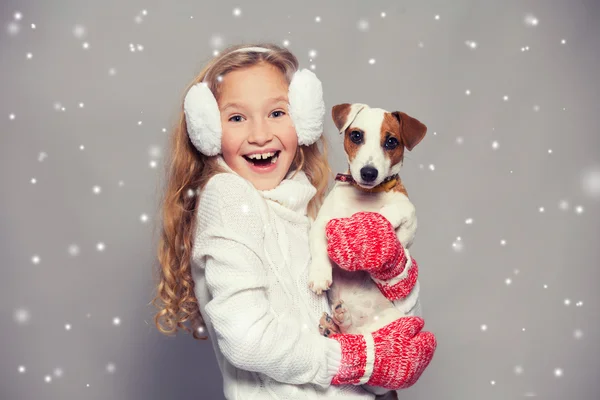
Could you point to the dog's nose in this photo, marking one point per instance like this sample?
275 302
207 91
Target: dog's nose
369 174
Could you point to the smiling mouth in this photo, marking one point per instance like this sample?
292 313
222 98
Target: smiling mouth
264 159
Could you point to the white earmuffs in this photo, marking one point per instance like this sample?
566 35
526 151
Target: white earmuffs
306 109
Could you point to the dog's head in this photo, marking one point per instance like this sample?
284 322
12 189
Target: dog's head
375 139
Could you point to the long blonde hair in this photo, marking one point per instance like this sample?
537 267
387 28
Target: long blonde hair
187 171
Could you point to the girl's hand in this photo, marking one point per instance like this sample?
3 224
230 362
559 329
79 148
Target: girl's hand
393 357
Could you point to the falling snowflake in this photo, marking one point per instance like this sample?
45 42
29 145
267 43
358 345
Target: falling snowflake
590 181
73 250
216 41
531 20
457 245
22 316
363 25
471 44
237 12
117 321
518 370
79 31
13 28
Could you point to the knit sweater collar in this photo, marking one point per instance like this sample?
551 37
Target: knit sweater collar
293 193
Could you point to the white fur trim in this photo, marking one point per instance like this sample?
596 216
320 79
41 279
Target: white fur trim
203 119
354 110
370 358
307 108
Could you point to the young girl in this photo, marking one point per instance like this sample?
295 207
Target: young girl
248 164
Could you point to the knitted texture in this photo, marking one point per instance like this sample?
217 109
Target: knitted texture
365 241
401 287
354 359
402 352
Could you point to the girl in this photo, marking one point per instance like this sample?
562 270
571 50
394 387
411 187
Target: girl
248 164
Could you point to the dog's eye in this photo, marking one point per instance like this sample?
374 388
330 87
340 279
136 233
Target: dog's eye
356 137
391 143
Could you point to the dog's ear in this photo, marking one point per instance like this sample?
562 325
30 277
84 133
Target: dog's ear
344 114
412 130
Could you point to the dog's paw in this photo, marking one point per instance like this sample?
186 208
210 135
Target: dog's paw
327 326
319 278
341 315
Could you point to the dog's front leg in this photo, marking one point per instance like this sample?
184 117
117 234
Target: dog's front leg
402 215
320 269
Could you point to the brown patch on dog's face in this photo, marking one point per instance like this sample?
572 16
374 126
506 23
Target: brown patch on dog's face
412 130
392 141
350 144
340 113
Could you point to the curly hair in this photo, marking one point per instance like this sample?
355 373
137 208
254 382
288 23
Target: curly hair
188 171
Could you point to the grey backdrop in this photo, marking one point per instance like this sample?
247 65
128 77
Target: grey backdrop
506 188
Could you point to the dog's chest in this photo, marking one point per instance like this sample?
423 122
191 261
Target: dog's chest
349 200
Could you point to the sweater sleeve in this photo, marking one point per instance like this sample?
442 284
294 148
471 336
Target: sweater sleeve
229 245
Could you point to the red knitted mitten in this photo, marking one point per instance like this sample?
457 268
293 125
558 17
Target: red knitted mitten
393 357
367 241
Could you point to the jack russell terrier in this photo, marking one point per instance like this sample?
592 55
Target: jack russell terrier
374 141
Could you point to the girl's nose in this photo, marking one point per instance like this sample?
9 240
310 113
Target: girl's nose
260 132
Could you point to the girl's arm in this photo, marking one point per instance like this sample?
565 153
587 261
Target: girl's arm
229 246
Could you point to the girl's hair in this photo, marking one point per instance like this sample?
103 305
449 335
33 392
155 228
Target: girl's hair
187 171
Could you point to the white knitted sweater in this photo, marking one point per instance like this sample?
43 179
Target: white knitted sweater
250 268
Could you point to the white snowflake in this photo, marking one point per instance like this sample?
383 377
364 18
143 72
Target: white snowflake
363 25
531 20
79 31
22 316
590 181
471 44
457 245
73 250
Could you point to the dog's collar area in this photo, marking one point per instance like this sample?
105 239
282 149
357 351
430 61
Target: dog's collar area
385 186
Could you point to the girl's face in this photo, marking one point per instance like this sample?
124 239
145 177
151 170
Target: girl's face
259 141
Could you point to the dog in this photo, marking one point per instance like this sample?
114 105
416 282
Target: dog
374 142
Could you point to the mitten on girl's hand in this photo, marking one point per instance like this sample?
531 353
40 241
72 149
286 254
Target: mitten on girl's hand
367 241
393 357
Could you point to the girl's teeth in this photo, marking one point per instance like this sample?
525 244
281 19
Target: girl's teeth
274 160
259 156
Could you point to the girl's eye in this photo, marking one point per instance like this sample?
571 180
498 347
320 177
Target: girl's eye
236 118
278 113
